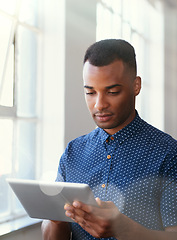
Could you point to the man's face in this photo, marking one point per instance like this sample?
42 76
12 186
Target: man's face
110 95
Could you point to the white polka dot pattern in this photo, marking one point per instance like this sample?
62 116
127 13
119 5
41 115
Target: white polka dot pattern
136 168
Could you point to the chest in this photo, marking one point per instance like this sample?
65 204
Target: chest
115 168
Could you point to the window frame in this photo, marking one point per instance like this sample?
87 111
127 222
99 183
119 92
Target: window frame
10 112
151 110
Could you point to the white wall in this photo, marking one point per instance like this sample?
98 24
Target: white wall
170 71
52 82
69 28
80 33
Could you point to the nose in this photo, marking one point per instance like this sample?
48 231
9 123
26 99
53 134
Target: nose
101 102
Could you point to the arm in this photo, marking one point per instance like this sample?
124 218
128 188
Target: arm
107 221
137 231
53 230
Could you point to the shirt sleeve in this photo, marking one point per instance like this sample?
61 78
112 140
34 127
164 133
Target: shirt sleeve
61 173
168 203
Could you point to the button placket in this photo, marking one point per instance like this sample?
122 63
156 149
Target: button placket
110 150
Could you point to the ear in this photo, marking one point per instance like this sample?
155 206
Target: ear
137 85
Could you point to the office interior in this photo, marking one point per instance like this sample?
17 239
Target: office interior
42 105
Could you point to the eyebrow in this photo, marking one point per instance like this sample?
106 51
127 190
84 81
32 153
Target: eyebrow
108 87
89 87
113 86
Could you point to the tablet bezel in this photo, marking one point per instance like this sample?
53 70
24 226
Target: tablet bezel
46 200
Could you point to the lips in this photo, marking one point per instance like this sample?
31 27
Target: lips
103 117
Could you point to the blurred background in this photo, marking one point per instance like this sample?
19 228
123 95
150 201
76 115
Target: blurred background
42 106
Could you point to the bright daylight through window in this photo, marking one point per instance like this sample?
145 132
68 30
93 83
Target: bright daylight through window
19 55
137 24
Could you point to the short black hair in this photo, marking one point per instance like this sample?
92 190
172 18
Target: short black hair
106 51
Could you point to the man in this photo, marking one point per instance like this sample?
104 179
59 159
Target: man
130 166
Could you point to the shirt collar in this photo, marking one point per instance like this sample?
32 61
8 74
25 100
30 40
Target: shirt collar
124 133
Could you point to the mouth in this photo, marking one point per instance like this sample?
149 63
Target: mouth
102 117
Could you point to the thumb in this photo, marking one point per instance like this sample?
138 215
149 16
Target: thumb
100 203
103 204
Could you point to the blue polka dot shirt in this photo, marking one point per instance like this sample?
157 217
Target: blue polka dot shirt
136 168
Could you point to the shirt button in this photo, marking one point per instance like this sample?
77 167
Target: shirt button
112 138
107 140
109 156
103 185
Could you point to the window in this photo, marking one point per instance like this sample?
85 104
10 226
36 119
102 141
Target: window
138 24
19 99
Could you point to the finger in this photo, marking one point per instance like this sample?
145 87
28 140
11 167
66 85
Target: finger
90 229
69 211
85 225
80 215
83 207
89 213
98 200
76 213
86 212
102 204
68 207
69 214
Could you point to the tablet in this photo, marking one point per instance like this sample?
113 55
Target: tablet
46 200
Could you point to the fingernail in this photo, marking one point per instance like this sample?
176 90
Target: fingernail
76 204
68 214
67 207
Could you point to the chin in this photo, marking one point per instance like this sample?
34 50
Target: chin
104 126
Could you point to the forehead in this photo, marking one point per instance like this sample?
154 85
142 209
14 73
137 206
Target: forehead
109 74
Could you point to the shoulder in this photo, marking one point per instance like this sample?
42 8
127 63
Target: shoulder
80 145
159 138
91 137
158 134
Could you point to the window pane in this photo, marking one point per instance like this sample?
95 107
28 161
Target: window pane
17 160
6 137
4 197
6 96
126 31
25 150
116 26
126 10
25 154
117 6
28 12
104 22
8 6
5 31
26 61
18 61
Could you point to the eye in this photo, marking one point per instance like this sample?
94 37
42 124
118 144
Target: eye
113 93
90 93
